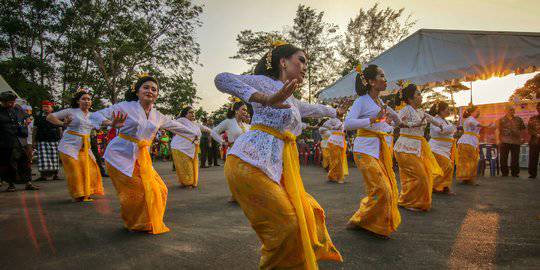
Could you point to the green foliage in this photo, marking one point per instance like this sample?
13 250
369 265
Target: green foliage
370 33
529 91
100 44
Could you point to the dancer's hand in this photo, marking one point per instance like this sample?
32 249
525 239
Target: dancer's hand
277 100
119 119
67 121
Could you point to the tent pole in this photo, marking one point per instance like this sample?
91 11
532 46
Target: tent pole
471 92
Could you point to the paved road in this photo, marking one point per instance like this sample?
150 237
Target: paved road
494 225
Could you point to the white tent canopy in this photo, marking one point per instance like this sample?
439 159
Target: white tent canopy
4 86
443 57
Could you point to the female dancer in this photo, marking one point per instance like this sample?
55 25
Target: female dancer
417 165
337 151
80 167
185 148
142 193
262 167
468 151
443 145
235 124
378 211
324 147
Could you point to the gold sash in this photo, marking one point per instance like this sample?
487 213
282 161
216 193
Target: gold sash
147 175
86 147
453 151
294 187
427 156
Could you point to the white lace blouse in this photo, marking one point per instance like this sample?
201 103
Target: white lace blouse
448 130
364 108
187 146
233 129
71 144
470 125
333 125
121 153
258 148
411 117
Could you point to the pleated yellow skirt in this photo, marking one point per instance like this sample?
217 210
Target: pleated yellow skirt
134 207
416 184
335 162
444 181
467 165
271 214
378 211
187 169
325 157
74 171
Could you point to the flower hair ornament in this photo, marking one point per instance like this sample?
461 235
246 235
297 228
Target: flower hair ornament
400 95
358 70
138 76
232 100
274 44
82 89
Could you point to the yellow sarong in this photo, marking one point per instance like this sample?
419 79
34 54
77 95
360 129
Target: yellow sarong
76 176
269 209
416 176
325 157
143 196
338 165
447 166
467 163
309 215
187 168
86 164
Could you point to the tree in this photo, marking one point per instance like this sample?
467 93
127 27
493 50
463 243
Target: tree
432 96
220 114
530 91
253 45
372 32
177 92
201 114
317 39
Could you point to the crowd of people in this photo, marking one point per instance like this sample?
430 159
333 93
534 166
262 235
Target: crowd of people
262 159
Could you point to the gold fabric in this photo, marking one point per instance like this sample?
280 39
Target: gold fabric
271 213
300 200
325 157
378 211
336 172
154 190
187 169
453 151
444 181
467 165
416 183
79 185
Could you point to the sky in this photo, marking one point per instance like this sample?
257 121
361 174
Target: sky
224 19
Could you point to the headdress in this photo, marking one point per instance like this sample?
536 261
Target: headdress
274 44
233 100
139 76
48 103
361 74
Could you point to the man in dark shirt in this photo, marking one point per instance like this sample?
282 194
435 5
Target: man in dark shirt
47 136
509 129
534 142
14 161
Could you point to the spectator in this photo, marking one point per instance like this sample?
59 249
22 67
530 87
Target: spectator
47 136
209 147
509 129
534 142
14 161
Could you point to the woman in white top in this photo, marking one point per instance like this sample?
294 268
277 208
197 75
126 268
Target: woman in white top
185 148
337 150
324 147
235 124
417 165
262 167
468 147
443 146
80 167
378 212
142 193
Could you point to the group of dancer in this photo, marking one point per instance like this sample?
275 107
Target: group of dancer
262 164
